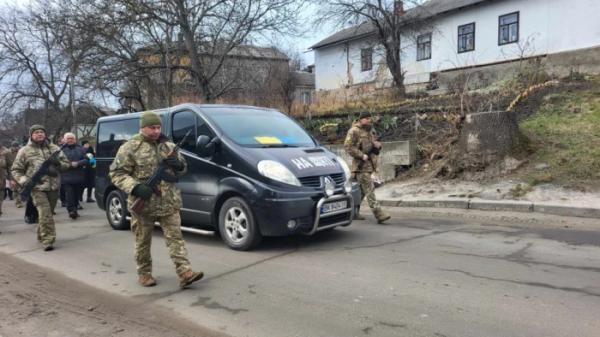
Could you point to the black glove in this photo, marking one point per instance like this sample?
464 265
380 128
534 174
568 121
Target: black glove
54 161
142 191
174 163
52 171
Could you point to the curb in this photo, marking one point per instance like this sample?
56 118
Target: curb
493 205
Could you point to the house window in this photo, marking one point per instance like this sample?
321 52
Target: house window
508 28
424 47
366 59
466 37
306 97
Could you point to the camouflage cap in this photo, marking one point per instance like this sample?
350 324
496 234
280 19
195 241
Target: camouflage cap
15 144
36 127
365 114
149 118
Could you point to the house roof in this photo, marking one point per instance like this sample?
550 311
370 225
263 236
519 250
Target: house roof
243 51
429 9
258 52
303 79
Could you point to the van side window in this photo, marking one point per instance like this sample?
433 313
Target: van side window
112 134
183 122
204 129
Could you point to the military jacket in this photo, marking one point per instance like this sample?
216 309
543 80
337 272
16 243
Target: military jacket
359 142
135 162
30 158
5 164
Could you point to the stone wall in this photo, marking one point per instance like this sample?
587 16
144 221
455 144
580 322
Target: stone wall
394 154
584 61
487 136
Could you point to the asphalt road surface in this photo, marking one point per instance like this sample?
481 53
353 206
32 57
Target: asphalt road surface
428 273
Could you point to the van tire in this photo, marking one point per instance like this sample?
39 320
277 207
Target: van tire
116 210
237 226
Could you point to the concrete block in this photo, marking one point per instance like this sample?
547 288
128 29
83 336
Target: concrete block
567 210
492 205
431 203
390 203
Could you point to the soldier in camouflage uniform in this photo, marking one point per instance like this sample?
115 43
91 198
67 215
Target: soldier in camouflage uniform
45 193
11 155
135 162
5 164
359 144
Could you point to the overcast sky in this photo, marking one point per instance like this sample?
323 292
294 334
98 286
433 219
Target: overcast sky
312 36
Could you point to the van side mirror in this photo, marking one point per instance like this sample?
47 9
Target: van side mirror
202 141
205 146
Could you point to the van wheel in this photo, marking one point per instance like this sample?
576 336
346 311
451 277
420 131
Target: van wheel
237 226
116 211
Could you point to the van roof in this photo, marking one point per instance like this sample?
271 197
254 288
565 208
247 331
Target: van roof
192 106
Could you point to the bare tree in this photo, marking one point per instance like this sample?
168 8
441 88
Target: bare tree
34 67
390 23
211 30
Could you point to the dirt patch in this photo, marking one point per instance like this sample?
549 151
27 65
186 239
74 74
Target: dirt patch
38 302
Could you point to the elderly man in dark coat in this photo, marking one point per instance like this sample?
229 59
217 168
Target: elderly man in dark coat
72 180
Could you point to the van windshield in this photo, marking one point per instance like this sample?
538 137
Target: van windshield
260 128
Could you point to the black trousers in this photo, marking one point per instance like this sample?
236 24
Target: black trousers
72 193
31 211
8 193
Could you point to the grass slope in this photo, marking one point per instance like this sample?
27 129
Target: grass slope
565 135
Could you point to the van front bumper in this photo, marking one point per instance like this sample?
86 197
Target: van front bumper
283 214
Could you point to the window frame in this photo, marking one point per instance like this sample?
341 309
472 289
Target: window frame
104 150
500 25
429 42
194 128
459 36
364 60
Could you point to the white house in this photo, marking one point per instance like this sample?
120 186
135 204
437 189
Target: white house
466 33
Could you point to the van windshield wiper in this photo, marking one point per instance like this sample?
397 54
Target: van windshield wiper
264 146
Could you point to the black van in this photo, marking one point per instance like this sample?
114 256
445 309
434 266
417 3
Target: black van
252 172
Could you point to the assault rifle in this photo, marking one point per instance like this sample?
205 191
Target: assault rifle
159 175
37 176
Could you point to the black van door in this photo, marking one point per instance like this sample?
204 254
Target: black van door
199 186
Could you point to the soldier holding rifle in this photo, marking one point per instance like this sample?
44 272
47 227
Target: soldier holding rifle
134 171
36 170
361 145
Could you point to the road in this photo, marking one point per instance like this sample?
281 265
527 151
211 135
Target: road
428 273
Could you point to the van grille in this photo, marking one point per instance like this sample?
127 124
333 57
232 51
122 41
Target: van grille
316 181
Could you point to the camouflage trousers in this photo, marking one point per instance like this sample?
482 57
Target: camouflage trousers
18 200
367 189
45 202
142 227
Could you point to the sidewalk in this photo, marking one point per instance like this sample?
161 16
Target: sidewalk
511 196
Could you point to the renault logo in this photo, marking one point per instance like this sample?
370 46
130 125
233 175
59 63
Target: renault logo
328 181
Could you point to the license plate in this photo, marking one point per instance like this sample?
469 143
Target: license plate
334 206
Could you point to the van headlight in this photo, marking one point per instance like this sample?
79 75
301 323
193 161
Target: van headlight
277 171
345 167
348 186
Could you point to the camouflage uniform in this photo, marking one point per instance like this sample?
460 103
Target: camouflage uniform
135 162
358 142
11 155
5 164
45 194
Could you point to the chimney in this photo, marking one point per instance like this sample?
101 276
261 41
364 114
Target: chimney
399 7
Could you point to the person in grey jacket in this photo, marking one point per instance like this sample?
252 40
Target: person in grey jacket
72 180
